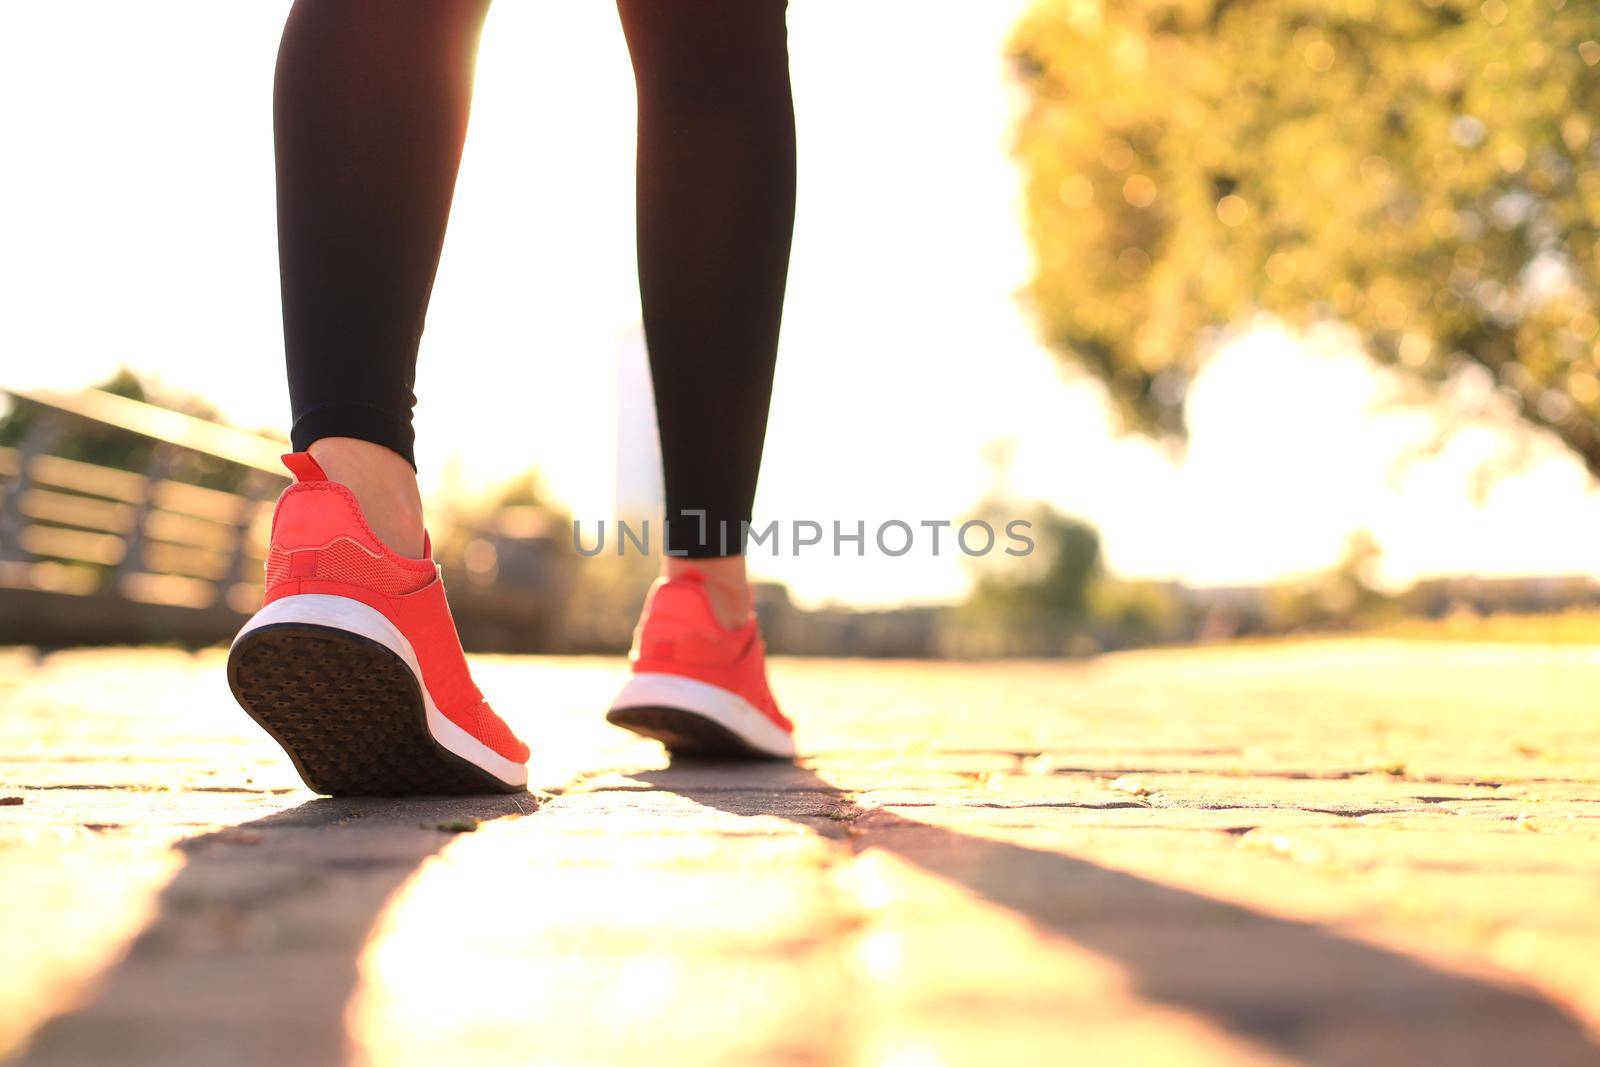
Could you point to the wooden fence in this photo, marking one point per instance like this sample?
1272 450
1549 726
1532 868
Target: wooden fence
93 552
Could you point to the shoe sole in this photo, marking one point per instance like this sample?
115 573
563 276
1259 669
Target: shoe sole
348 707
699 720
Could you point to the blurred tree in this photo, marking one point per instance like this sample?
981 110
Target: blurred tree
1426 171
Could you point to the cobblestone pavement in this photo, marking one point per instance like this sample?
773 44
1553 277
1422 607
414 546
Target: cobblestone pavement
1324 853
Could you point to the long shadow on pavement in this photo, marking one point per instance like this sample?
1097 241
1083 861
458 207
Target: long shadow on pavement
1295 987
253 952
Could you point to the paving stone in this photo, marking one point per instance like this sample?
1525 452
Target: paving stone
1332 852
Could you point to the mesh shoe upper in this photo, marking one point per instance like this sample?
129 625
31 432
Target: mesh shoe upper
321 543
679 634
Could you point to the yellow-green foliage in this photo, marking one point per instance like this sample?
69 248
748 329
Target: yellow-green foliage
1427 171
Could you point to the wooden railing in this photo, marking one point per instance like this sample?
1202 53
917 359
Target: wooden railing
116 538
94 552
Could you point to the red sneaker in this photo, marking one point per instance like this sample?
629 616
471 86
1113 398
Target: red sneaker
353 664
698 688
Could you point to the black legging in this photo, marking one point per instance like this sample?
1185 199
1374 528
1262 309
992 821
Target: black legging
370 112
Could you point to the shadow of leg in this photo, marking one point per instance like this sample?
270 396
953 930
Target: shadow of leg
1297 988
255 947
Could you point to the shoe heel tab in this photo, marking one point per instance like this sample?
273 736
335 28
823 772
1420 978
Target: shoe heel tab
684 596
304 468
689 585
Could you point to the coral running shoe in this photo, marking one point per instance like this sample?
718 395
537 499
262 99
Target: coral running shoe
697 687
353 664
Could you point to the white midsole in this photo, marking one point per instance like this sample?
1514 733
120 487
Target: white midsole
342 613
726 708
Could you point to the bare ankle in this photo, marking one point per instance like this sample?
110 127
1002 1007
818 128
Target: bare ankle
727 586
384 485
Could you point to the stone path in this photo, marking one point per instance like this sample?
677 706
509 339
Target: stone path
1324 853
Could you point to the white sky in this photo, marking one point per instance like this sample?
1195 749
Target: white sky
139 230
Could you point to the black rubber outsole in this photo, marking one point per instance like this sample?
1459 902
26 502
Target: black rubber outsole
349 713
687 733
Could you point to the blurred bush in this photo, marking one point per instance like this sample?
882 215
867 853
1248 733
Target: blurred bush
1426 171
1054 578
1343 597
1057 599
608 591
509 565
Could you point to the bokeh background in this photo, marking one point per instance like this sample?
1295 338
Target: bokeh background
1271 318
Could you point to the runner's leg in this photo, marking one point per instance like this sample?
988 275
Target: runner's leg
716 194
370 112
